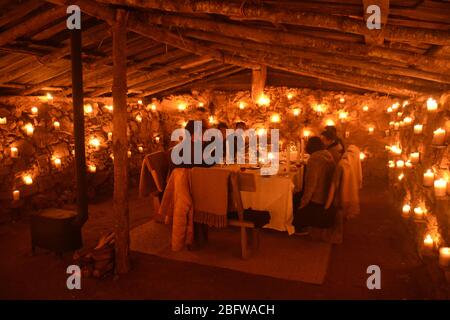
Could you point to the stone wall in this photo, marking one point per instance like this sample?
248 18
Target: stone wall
407 176
298 109
51 185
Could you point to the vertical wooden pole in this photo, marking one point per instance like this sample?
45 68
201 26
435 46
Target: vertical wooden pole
78 126
120 141
258 82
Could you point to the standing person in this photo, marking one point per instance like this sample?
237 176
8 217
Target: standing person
318 176
333 143
222 126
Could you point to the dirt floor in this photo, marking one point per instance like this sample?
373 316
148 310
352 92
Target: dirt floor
377 237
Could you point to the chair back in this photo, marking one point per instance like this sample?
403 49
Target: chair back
210 192
158 166
246 182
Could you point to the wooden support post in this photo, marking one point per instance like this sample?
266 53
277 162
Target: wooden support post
120 141
376 36
78 126
258 82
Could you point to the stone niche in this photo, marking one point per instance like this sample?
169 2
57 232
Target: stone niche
42 134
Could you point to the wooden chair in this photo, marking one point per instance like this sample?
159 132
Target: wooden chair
157 164
245 182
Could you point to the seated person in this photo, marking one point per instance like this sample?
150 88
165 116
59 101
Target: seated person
222 126
318 177
332 143
190 128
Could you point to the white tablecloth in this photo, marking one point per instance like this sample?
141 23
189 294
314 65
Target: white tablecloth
274 194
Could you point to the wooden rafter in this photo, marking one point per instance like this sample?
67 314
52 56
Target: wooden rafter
277 14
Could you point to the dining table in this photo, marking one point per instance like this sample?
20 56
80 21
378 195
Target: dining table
274 193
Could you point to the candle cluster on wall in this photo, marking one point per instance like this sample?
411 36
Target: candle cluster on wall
418 135
43 141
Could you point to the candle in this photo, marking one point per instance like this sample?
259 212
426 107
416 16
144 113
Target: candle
389 110
406 210
401 176
129 154
49 96
407 120
391 164
139 101
290 95
151 107
34 110
347 134
400 163
14 152
428 178
408 164
57 162
88 108
92 168
296 112
438 136
418 129
110 136
109 107
444 256
396 125
431 105
157 139
395 106
329 123
275 118
362 156
27 179
415 156
418 213
306 133
428 242
371 129
3 120
16 195
263 100
29 129
57 125
94 142
343 115
440 187
141 149
365 108
139 118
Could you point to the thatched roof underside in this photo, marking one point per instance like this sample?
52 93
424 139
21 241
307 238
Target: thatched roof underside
176 46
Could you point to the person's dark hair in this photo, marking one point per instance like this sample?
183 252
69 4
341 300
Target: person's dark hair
332 130
314 144
190 127
222 125
240 125
329 135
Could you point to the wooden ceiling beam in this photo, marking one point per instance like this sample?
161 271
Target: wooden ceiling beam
31 25
138 26
346 60
275 37
278 14
376 36
193 79
18 11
